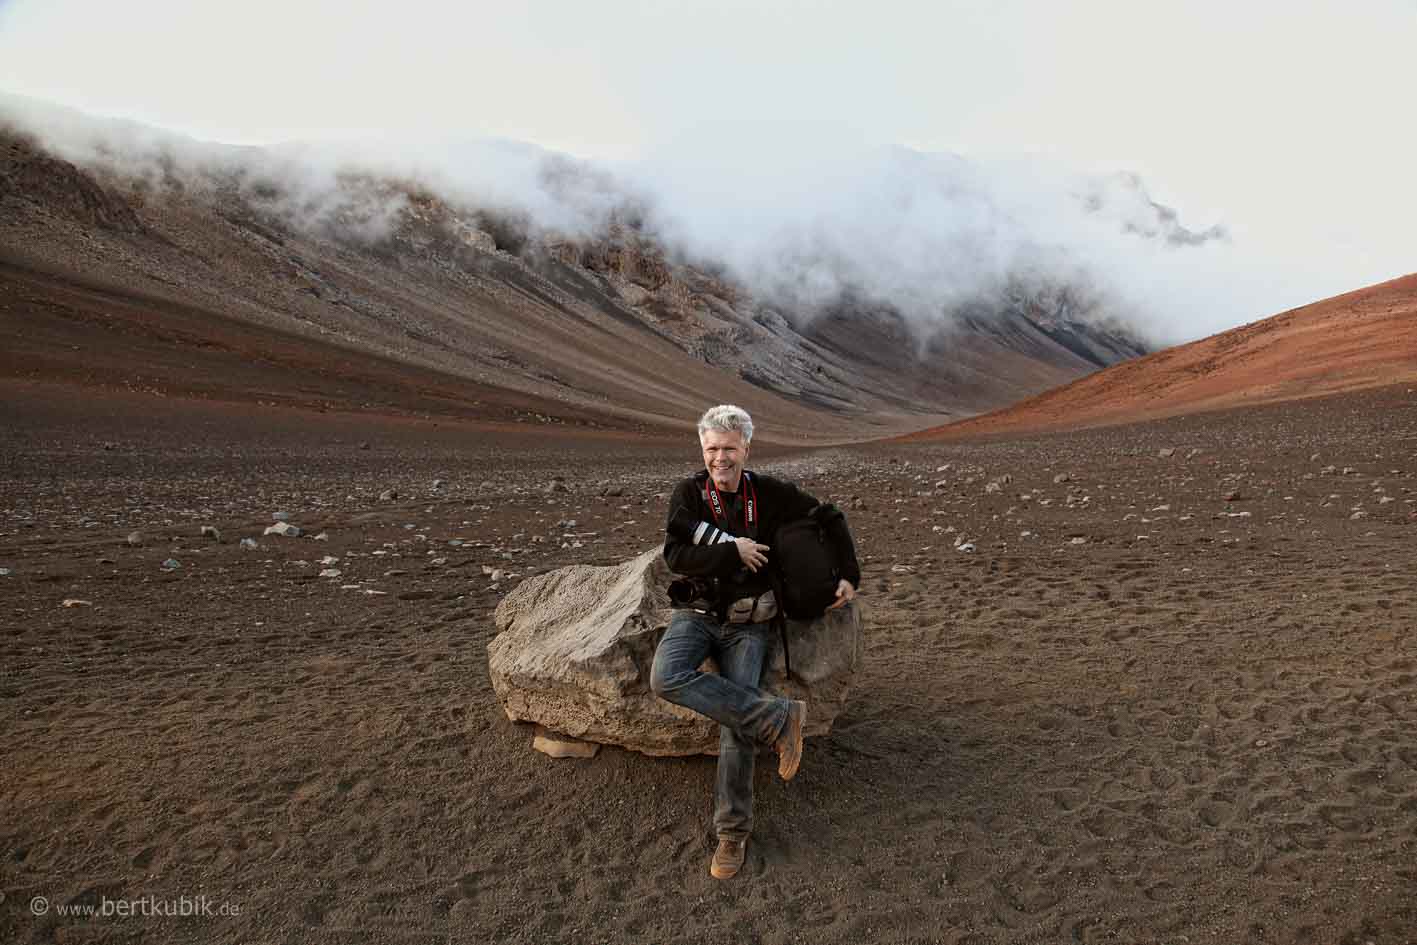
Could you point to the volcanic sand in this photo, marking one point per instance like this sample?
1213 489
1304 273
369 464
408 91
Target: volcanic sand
1192 724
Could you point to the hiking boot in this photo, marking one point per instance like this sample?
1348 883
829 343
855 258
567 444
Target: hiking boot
728 858
789 741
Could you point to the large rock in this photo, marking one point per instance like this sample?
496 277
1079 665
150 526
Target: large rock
576 646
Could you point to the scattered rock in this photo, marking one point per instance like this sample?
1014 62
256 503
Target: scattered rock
614 491
284 529
171 564
1166 452
437 484
323 536
210 531
1061 478
388 495
249 544
76 602
134 540
281 516
330 573
966 548
1232 495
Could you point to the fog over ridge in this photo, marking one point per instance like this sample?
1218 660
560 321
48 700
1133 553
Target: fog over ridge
800 220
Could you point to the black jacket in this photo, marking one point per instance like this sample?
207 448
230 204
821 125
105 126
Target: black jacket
779 502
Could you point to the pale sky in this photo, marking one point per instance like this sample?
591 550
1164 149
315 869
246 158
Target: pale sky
1292 122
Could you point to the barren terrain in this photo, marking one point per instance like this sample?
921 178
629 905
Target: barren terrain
1358 340
1164 698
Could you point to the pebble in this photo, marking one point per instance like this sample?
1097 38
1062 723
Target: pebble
249 544
330 573
210 531
281 516
5 572
323 536
134 540
966 548
284 529
388 495
171 564
75 602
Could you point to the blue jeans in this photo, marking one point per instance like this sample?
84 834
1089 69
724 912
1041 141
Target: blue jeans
747 716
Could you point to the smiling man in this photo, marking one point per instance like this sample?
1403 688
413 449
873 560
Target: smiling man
719 536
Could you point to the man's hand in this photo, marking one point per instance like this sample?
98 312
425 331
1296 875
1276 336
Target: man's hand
844 593
753 555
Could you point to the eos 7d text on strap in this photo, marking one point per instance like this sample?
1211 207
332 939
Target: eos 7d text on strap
750 504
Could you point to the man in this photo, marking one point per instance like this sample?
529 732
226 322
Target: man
719 535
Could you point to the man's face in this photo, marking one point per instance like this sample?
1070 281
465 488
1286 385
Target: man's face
724 456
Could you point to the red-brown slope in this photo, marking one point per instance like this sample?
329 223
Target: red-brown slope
1366 338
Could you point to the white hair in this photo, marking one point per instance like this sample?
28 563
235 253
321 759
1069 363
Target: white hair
726 418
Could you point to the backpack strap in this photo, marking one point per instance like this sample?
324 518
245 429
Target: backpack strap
779 619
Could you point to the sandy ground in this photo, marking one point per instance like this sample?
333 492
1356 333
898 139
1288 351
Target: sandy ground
1137 712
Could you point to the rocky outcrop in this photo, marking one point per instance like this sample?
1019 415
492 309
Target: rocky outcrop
576 645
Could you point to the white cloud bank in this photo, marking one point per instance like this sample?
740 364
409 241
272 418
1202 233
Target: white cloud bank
773 137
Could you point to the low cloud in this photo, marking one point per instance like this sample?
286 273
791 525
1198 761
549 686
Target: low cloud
801 219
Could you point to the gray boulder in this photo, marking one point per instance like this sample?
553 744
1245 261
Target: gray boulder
576 645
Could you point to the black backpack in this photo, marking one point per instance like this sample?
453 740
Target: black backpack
806 559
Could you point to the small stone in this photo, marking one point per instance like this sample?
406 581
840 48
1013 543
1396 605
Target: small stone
1061 478
1233 495
249 544
1077 541
330 573
323 536
497 575
902 569
329 559
438 484
284 529
556 485
1166 452
364 445
134 540
281 516
171 564
562 746
966 548
75 602
5 572
388 495
209 531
